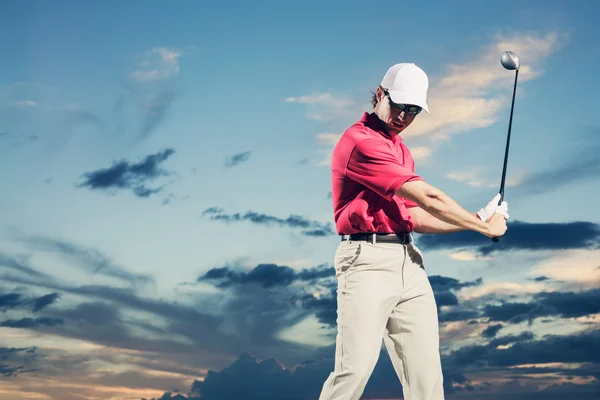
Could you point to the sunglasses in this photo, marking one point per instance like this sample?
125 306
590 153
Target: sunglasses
407 108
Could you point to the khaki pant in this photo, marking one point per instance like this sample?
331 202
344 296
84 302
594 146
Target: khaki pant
383 293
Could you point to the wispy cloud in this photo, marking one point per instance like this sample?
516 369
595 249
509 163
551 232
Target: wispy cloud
89 260
132 176
476 177
583 269
327 106
327 142
154 108
236 159
467 96
157 64
470 95
25 103
309 228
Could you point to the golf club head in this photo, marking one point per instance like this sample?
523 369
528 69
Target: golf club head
509 60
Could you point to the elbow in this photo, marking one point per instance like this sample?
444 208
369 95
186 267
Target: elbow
430 200
428 197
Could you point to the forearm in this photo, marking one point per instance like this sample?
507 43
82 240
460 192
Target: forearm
424 222
442 207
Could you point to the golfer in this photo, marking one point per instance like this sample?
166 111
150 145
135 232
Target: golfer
383 289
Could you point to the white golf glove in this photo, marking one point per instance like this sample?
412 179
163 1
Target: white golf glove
493 207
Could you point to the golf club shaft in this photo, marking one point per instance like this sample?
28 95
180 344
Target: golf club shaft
503 180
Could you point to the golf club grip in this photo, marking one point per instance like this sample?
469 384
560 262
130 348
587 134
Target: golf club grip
496 239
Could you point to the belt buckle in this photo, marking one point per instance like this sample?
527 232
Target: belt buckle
374 238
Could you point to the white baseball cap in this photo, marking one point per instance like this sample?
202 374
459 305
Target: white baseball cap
407 84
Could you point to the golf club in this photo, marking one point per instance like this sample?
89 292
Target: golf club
509 61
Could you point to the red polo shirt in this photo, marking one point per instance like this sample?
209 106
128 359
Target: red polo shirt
367 168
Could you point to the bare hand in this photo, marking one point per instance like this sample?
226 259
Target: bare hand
497 225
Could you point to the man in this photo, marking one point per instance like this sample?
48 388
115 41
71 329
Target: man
383 289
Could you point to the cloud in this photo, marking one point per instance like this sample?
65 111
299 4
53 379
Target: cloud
467 256
491 331
327 106
157 64
12 263
90 260
475 177
547 304
9 301
467 96
420 153
237 159
12 358
31 322
471 94
328 142
268 379
309 228
126 175
265 275
154 108
583 163
582 272
520 236
491 365
25 103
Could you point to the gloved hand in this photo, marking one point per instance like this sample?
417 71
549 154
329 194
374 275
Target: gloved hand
492 207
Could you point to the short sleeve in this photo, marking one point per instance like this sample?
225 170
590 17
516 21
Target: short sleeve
374 165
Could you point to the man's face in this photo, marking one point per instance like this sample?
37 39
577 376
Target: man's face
394 119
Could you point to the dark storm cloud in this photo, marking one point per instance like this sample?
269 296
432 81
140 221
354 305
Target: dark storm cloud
12 359
310 228
462 315
491 331
17 300
442 287
126 175
265 275
540 279
546 304
268 379
237 159
443 283
272 276
31 322
42 302
445 298
521 236
580 348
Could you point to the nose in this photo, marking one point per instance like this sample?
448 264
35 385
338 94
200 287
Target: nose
401 116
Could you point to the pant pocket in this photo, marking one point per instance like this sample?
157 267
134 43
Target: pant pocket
415 255
346 255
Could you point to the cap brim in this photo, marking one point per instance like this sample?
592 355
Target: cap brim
408 98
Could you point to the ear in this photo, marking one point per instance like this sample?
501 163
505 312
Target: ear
379 93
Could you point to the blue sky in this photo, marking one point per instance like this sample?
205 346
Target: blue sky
165 205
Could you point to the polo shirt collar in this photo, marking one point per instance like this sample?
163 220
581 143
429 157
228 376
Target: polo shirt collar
372 121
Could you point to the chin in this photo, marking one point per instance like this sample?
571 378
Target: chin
396 129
